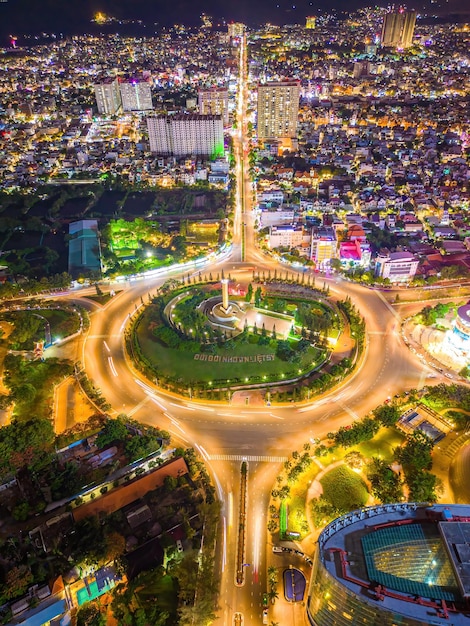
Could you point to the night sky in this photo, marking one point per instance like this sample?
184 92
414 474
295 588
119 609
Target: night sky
73 16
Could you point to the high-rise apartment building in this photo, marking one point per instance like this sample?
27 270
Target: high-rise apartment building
182 135
108 96
278 109
310 22
398 29
136 95
214 101
236 29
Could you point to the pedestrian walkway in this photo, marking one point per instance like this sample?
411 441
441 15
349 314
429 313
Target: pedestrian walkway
451 449
241 457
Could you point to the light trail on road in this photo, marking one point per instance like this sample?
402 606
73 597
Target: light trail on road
223 434
230 509
111 366
258 516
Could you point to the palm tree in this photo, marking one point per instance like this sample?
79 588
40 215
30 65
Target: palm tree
272 576
273 594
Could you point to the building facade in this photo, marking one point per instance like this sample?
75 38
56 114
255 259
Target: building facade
398 267
136 95
458 340
108 96
389 565
323 247
84 248
285 236
278 109
398 29
310 22
214 101
236 29
182 135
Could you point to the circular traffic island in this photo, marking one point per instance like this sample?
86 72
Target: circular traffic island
206 342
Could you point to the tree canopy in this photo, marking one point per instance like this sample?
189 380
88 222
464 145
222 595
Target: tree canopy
25 444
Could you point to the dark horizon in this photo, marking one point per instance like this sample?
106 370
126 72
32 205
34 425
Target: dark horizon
18 17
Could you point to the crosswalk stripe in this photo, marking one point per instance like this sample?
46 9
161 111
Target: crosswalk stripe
240 457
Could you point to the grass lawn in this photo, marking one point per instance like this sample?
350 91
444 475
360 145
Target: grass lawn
297 519
282 519
382 445
344 489
190 368
158 590
298 498
62 323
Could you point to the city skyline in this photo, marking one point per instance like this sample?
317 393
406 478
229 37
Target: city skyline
235 321
28 17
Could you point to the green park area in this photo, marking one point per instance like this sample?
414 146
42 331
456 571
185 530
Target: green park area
134 228
270 339
28 384
343 486
230 362
352 467
33 324
143 244
373 461
177 341
382 446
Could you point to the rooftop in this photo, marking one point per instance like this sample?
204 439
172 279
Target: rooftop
412 558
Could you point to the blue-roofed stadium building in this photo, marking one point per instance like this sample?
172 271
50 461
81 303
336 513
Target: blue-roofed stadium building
393 565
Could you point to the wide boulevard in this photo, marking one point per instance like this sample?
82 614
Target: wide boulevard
225 434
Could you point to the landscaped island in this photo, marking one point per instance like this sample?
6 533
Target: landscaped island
195 340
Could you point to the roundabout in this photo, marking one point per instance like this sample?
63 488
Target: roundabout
197 342
225 435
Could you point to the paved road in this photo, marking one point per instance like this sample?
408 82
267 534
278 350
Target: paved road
224 434
226 431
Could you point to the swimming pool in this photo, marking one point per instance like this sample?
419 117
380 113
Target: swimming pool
86 594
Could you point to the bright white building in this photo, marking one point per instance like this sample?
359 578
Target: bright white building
323 247
398 267
182 135
271 195
285 236
236 29
275 217
136 95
